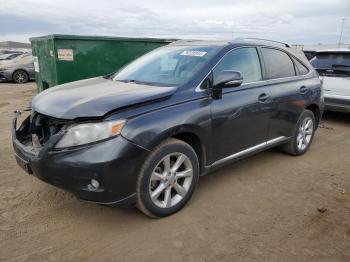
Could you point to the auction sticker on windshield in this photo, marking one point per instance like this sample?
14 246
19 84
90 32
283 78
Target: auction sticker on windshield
193 53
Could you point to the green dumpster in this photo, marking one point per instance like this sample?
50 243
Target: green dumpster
65 58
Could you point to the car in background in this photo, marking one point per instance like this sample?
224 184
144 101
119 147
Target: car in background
19 69
333 66
9 56
309 54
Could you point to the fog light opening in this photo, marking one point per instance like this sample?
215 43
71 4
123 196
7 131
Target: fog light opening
94 184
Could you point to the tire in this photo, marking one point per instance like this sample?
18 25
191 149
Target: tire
20 77
303 134
170 187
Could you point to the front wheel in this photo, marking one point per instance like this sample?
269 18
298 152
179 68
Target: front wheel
167 179
303 134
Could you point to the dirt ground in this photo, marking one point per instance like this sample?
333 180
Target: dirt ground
269 207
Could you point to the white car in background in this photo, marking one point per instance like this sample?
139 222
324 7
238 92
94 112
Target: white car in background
333 66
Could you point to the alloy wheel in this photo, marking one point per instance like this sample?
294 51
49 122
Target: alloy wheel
20 77
171 180
306 130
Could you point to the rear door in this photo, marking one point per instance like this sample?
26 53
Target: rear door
240 119
289 89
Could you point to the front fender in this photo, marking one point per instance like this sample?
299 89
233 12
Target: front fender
150 129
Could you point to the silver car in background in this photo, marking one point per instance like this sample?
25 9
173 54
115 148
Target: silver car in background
333 66
9 56
19 69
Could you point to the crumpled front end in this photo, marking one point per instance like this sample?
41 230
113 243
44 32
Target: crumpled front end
113 163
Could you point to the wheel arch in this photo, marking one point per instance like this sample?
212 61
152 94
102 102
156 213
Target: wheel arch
194 141
314 108
189 134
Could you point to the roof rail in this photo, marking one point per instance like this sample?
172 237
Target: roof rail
267 40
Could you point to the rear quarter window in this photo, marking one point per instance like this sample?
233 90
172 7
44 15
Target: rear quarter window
278 64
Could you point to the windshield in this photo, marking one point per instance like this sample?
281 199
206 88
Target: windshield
168 66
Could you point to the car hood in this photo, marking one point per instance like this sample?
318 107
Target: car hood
95 97
336 85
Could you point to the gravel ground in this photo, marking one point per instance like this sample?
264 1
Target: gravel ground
269 207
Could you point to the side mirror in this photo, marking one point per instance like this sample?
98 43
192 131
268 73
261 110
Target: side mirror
229 78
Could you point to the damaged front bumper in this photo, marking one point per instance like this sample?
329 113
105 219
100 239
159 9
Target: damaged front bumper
114 163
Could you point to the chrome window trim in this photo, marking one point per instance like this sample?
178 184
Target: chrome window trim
198 87
250 150
287 77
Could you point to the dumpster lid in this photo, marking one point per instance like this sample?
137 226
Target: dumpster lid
101 38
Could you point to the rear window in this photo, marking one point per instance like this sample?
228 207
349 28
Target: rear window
331 61
278 64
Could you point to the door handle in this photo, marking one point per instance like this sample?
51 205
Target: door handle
263 97
303 89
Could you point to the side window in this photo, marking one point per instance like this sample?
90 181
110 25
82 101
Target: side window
278 64
244 60
300 68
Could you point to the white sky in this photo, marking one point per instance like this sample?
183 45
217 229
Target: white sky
304 22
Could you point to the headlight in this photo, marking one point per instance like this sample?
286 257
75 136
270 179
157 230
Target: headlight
91 132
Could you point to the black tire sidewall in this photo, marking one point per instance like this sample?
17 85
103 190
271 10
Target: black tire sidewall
148 169
20 71
306 113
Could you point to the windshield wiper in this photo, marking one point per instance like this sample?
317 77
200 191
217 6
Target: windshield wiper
129 81
124 81
136 82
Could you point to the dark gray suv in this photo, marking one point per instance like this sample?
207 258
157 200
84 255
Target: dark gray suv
145 134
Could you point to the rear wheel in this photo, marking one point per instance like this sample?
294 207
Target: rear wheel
303 134
167 179
20 77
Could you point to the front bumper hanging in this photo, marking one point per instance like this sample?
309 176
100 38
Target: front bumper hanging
114 163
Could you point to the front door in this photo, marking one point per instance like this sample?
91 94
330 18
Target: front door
240 119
